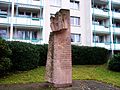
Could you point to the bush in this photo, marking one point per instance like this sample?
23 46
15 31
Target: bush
5 64
5 52
114 63
83 55
25 55
42 54
4 49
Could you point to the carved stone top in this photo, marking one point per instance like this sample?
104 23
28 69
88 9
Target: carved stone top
60 20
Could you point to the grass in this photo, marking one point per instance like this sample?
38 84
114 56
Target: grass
99 73
81 72
35 75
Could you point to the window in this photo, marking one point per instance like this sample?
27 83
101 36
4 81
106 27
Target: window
27 35
41 13
23 35
3 33
55 2
20 34
75 37
21 13
75 20
28 14
74 4
98 39
34 35
35 15
3 12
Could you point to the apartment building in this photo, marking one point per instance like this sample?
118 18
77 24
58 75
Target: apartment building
93 22
21 20
106 24
80 19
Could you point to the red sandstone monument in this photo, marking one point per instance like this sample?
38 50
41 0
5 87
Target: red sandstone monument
59 64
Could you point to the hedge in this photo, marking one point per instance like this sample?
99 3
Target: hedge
84 55
25 55
42 49
5 62
114 63
4 49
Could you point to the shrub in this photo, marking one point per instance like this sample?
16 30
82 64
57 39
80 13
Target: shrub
25 55
42 49
5 64
4 49
83 55
5 52
114 63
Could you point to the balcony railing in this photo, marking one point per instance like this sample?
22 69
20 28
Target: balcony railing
28 21
6 0
33 41
116 1
100 12
117 46
5 19
116 14
116 29
100 28
30 2
105 45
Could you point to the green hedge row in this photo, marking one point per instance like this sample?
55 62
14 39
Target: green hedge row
114 63
5 52
26 56
83 55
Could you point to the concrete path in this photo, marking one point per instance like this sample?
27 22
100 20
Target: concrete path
77 85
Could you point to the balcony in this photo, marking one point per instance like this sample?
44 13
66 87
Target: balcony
116 15
100 12
30 41
4 19
116 1
100 28
105 45
116 29
117 46
6 0
31 2
28 21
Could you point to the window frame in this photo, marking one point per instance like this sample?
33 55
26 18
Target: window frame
74 35
75 21
74 3
55 3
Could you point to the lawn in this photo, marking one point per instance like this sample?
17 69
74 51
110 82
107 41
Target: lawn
80 72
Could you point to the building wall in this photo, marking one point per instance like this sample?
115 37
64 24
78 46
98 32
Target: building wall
85 17
107 25
21 20
93 22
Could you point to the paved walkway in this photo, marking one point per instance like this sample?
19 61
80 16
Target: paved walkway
77 85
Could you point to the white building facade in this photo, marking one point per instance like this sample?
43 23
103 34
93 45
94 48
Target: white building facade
21 20
93 22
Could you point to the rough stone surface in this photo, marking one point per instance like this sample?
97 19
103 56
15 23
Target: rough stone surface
59 67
